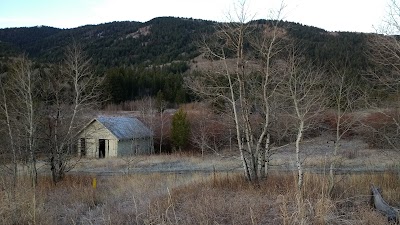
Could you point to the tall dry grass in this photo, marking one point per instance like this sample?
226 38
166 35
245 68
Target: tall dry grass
232 200
219 198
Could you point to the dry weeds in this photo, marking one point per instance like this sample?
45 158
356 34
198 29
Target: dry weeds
231 200
197 198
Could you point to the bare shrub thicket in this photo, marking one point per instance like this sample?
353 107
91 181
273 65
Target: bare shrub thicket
380 130
210 132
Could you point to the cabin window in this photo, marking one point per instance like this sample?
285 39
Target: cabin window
137 149
83 146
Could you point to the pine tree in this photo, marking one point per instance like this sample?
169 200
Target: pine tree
180 130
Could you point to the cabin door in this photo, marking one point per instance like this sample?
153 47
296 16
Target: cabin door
102 148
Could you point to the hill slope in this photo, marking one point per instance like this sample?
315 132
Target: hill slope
141 59
161 40
157 41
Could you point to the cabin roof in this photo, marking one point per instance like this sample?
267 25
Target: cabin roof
123 127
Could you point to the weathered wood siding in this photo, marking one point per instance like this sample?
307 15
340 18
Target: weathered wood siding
135 147
92 134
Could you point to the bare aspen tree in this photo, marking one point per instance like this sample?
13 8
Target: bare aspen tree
161 107
391 23
344 96
199 135
22 81
384 52
244 82
305 92
68 92
19 105
147 113
8 122
147 109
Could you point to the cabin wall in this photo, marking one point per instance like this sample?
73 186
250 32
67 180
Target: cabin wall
89 143
136 146
92 134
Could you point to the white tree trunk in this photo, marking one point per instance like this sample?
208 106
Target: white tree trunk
298 157
265 158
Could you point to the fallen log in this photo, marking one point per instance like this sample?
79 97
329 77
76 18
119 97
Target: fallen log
380 204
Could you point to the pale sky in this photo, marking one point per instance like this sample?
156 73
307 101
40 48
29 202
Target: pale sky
331 15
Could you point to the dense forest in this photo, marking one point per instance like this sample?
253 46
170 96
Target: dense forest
140 59
157 41
132 83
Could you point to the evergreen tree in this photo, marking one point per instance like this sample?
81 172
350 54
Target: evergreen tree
160 102
180 129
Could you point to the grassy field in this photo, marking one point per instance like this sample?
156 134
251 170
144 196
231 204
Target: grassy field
195 198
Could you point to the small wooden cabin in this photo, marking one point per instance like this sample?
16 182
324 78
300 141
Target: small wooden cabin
115 136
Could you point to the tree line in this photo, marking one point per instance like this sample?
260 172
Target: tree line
126 84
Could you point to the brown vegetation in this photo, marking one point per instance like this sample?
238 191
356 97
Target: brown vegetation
219 198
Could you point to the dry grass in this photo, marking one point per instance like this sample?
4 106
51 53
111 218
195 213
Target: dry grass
184 161
231 200
219 198
116 199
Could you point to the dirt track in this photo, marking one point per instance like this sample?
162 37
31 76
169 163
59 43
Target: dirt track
354 156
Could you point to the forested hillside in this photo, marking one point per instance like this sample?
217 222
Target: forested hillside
157 41
124 51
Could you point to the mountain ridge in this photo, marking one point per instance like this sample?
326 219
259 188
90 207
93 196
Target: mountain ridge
142 58
123 43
